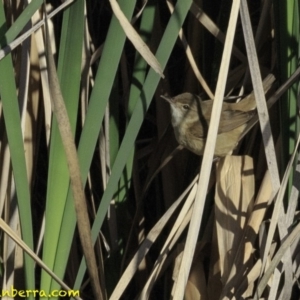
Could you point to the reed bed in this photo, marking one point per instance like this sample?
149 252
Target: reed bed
165 223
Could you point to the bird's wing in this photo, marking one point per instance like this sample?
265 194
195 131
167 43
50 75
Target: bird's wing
230 120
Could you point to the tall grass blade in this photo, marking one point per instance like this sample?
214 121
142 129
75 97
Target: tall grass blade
207 158
11 113
69 70
97 105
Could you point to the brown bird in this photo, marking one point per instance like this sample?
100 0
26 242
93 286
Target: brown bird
191 117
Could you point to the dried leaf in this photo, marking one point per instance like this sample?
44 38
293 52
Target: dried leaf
233 201
136 40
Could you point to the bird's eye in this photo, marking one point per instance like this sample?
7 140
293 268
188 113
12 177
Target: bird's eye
185 106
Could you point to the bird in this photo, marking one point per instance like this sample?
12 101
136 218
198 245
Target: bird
190 118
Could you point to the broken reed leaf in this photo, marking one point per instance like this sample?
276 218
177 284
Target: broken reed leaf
136 40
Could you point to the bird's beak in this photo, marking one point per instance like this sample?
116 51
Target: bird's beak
169 99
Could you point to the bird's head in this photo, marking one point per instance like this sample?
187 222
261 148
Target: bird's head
184 106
